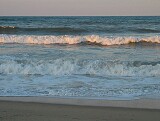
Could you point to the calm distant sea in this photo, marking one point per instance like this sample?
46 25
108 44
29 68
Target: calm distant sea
95 57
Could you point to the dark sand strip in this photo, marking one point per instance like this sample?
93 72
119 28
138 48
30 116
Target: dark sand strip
34 111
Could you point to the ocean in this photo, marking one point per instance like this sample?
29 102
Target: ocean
110 57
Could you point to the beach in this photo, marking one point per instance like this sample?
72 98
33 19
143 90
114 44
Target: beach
79 68
46 109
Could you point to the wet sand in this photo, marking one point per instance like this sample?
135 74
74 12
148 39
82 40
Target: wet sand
32 109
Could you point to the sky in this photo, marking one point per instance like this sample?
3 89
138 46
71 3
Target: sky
79 7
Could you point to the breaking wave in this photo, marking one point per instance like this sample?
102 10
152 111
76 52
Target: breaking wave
7 27
66 39
74 66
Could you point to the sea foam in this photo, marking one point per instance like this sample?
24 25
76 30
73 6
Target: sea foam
61 67
66 39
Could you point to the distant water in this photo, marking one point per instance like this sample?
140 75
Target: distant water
102 57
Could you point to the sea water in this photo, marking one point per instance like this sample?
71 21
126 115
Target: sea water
95 57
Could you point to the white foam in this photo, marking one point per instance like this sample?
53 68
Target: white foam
66 39
5 27
58 67
69 67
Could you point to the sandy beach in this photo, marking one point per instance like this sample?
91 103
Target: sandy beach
68 109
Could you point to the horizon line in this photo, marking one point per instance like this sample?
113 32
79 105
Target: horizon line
79 15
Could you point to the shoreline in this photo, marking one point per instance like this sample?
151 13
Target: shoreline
68 109
80 101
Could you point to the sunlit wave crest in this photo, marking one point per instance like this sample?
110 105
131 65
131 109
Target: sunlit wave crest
66 39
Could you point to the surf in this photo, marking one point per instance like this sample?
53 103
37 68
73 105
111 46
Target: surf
72 40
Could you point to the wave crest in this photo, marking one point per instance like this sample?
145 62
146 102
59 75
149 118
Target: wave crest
7 27
66 39
72 66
